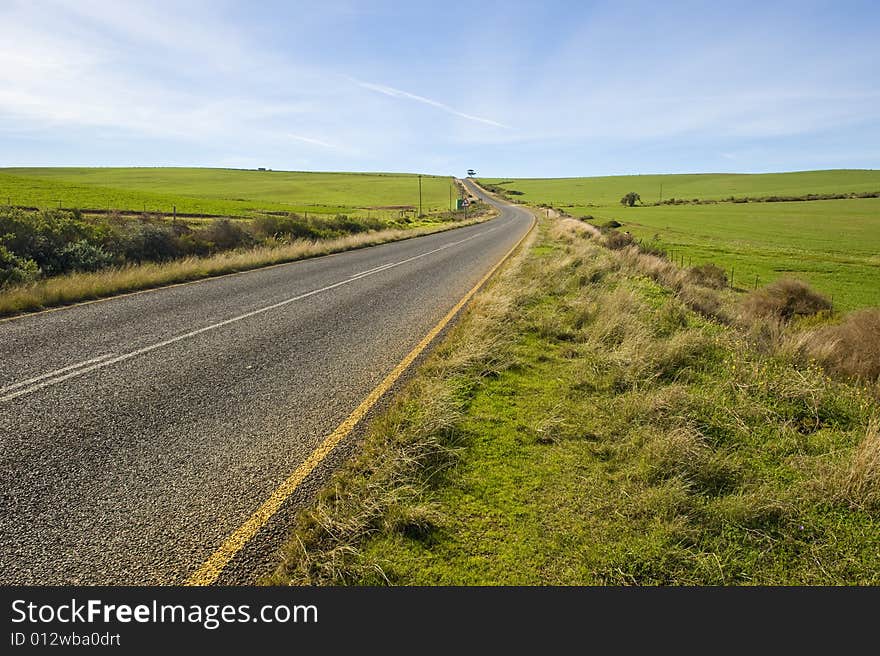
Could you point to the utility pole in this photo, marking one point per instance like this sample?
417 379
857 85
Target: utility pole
661 192
420 195
450 196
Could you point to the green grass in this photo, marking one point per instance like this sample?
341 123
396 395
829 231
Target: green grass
832 244
608 190
581 426
227 192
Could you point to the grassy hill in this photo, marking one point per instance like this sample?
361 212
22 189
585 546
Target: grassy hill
608 190
832 244
231 192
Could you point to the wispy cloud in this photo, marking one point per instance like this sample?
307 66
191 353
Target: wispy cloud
311 140
398 93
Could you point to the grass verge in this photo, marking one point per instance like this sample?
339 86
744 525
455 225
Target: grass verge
76 287
582 424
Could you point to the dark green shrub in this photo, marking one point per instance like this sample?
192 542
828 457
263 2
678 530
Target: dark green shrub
83 256
270 225
223 234
14 269
41 236
54 242
150 242
630 199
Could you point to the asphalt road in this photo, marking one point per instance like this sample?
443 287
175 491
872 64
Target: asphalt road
137 433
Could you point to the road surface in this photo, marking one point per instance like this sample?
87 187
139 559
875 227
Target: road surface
136 434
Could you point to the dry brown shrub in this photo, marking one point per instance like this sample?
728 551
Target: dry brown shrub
784 299
708 275
850 349
616 240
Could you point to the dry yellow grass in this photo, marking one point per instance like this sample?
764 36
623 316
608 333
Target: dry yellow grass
861 482
850 349
64 290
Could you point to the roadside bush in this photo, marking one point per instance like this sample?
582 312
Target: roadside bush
54 242
41 236
342 223
784 299
14 269
223 234
83 256
294 226
708 275
270 225
150 242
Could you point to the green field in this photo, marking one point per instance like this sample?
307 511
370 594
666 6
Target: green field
229 192
833 244
608 190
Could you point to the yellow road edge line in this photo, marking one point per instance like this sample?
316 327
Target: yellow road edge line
229 274
214 565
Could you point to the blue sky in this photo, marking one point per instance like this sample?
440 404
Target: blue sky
516 89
